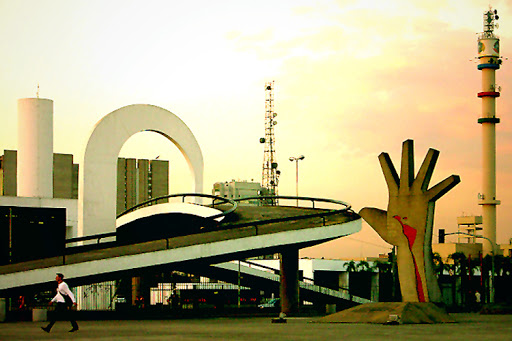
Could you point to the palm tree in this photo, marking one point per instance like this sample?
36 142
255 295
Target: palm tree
382 267
350 266
507 266
460 268
438 263
459 262
363 266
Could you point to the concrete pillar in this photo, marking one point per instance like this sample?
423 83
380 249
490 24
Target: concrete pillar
35 148
3 309
289 288
136 292
375 287
330 309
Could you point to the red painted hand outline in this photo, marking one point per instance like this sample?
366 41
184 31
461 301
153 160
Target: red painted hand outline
410 233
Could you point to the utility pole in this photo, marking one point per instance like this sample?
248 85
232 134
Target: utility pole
297 159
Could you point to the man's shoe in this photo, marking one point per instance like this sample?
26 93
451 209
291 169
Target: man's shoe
73 330
46 329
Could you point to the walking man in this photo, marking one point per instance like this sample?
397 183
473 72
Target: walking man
64 302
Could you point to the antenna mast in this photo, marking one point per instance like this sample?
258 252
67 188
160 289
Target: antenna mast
270 174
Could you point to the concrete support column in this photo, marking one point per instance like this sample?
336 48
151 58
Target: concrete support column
136 292
289 288
3 309
374 294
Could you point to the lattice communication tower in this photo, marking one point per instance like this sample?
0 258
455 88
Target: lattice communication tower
270 174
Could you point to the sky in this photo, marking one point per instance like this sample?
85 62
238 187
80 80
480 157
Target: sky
352 79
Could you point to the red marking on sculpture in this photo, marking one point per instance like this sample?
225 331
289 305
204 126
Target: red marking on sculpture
410 233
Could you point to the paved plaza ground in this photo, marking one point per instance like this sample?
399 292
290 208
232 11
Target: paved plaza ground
468 327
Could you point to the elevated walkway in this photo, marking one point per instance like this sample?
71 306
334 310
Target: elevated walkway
247 232
256 273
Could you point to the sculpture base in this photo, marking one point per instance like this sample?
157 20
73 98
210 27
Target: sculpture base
391 313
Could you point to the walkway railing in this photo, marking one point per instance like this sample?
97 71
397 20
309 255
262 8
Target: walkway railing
272 274
183 196
346 207
216 201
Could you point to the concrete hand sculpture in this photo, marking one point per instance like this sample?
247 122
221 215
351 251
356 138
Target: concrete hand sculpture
407 224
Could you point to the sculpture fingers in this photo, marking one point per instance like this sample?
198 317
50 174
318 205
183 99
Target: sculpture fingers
426 170
390 173
407 166
442 188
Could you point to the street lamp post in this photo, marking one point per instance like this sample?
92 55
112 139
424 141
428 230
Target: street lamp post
493 247
296 159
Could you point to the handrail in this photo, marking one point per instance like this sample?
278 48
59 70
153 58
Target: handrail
311 286
91 237
298 217
313 200
148 202
183 195
276 271
234 203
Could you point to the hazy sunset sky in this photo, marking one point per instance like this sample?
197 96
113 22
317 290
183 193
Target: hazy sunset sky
352 79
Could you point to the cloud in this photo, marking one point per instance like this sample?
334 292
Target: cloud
369 79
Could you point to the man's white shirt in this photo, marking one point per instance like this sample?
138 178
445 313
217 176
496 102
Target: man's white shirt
63 289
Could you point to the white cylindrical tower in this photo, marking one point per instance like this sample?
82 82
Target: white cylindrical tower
489 62
35 147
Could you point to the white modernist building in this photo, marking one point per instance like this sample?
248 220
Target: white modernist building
35 147
96 209
97 185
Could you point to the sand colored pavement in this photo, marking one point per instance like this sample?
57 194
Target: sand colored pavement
467 327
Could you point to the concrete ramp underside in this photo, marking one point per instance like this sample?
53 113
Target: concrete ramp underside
242 236
386 312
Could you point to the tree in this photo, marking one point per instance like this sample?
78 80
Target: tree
382 267
350 266
459 262
507 266
438 263
363 266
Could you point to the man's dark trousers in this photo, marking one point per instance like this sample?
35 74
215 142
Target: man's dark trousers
62 312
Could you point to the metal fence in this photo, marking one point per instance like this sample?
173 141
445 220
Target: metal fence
97 296
164 291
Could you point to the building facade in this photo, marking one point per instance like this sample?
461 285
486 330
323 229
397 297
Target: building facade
137 180
238 190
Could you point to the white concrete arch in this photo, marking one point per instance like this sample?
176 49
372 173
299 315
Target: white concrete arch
98 174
